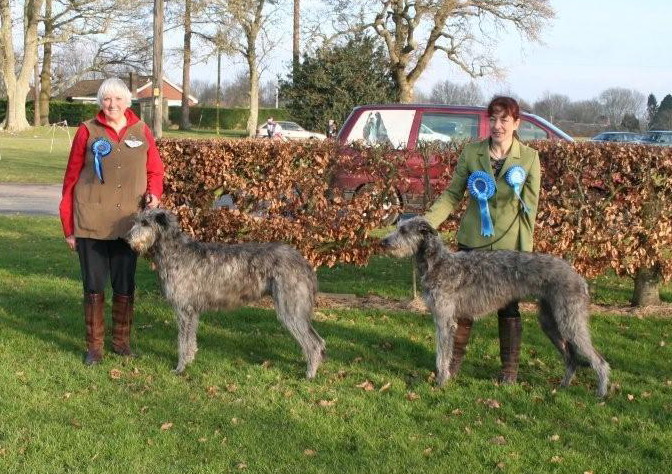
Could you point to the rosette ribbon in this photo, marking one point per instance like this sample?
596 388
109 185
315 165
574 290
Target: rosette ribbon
515 177
481 186
100 149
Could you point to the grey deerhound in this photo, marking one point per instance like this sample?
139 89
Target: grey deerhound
472 284
196 277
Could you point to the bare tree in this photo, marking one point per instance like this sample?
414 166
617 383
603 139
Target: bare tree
618 101
464 31
17 84
552 106
585 111
67 19
243 25
447 92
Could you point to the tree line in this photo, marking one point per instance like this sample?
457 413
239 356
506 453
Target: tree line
63 40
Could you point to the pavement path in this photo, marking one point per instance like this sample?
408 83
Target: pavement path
35 199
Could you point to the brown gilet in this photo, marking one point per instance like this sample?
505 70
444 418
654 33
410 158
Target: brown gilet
105 211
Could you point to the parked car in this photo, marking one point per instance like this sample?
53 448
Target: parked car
657 137
617 137
291 131
406 126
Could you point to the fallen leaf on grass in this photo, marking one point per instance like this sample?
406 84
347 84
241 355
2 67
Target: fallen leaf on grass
212 390
166 426
556 459
115 374
241 465
498 440
631 397
427 451
67 395
489 402
554 437
412 396
385 387
309 452
75 422
501 465
327 403
367 386
231 388
456 412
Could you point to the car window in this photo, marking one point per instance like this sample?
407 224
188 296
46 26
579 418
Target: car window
446 127
383 127
529 131
289 126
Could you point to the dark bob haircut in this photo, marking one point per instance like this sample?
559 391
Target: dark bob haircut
506 105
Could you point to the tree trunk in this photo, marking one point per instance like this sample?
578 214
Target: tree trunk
17 85
186 67
254 95
404 86
295 37
45 75
647 287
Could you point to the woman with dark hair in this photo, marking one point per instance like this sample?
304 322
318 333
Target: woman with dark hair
502 177
113 170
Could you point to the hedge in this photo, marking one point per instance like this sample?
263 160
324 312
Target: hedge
602 206
74 112
200 117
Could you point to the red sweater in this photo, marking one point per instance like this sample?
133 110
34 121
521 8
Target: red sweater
76 163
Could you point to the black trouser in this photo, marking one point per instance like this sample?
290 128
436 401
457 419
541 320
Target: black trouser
103 259
511 310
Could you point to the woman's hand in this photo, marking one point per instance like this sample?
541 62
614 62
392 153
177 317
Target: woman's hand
151 201
71 241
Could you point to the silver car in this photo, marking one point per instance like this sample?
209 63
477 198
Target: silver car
291 131
657 137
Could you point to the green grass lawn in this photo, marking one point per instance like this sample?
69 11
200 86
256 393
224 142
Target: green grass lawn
244 406
39 155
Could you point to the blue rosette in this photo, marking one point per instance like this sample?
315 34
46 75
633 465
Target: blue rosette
515 177
100 149
481 186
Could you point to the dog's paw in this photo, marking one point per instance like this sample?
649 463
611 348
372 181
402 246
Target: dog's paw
178 370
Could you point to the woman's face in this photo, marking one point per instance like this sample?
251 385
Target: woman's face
114 106
502 127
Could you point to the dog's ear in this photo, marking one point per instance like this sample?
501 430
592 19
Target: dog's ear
427 229
163 219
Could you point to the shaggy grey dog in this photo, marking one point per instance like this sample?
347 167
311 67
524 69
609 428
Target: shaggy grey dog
197 277
472 284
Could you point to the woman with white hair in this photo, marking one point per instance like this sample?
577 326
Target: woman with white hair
113 170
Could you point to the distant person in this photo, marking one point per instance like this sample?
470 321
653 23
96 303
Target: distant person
113 170
502 178
270 127
277 131
332 130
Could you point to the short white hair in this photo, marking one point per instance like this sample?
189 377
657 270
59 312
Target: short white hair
114 85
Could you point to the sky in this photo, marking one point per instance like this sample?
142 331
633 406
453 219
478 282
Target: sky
588 47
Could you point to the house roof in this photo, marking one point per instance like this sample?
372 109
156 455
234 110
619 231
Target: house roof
89 87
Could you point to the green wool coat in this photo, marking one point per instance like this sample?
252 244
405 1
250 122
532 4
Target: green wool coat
512 232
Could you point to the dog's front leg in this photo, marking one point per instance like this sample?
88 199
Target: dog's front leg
187 324
444 320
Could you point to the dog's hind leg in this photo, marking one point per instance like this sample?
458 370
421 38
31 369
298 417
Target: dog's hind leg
187 326
294 308
572 323
550 328
446 324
